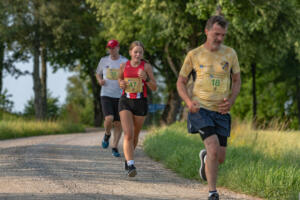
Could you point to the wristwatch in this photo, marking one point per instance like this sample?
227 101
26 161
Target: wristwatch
147 79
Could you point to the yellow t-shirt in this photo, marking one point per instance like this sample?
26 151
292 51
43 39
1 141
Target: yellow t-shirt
213 71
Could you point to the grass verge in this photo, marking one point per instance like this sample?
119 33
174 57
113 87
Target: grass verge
25 128
260 163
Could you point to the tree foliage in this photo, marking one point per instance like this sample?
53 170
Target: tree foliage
77 43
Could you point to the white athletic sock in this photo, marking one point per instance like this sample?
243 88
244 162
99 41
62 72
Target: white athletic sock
130 162
204 159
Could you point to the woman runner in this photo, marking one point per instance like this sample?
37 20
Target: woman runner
134 76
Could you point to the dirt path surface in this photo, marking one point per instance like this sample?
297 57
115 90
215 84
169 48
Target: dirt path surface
75 167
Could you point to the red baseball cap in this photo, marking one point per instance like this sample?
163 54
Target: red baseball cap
112 43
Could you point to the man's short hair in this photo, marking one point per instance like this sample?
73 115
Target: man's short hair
216 19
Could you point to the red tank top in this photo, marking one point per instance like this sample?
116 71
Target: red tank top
132 74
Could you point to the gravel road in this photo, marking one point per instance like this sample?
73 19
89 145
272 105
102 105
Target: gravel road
75 167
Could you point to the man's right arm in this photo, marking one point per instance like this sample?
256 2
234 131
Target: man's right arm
100 79
182 91
99 74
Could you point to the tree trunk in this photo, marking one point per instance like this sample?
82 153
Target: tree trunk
254 102
36 74
98 116
173 105
44 83
298 99
36 64
172 108
37 84
169 60
2 47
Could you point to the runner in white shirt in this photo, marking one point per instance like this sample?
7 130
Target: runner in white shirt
107 75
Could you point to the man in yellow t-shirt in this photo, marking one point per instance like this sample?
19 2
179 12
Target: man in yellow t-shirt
216 87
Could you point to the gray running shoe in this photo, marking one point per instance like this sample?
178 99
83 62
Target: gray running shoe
202 155
214 196
131 171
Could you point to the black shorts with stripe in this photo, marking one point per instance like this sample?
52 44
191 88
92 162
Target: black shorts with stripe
138 107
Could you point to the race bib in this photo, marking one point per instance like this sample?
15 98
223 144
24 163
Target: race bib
215 83
112 74
135 85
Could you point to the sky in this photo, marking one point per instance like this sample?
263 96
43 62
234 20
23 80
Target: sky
21 89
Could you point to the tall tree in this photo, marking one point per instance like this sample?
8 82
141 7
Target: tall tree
32 34
77 43
60 36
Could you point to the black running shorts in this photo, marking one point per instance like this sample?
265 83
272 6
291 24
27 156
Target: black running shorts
138 107
208 123
205 132
110 107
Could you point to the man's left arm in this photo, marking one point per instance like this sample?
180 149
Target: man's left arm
236 86
225 106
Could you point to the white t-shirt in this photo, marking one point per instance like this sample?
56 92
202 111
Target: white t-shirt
110 70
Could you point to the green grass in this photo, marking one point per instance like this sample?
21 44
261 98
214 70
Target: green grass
4 115
21 128
259 163
12 126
